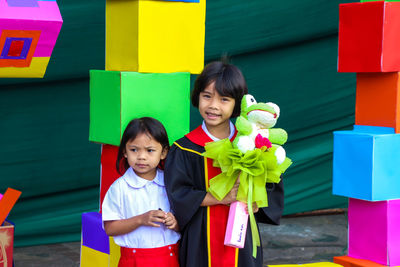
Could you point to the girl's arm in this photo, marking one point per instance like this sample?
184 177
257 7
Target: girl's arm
124 226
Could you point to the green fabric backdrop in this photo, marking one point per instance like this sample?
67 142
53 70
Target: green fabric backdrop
287 51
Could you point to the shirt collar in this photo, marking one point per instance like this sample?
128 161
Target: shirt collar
135 181
231 129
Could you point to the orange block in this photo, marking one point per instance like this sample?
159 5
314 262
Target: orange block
377 100
347 261
7 202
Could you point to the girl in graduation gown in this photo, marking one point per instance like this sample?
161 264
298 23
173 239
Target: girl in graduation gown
202 219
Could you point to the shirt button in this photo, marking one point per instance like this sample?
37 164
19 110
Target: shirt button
171 254
134 251
169 247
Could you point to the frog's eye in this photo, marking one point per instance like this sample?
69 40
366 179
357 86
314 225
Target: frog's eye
250 100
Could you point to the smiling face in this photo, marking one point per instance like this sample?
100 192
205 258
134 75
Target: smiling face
215 109
143 155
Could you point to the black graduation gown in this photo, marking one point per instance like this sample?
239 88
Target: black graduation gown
185 172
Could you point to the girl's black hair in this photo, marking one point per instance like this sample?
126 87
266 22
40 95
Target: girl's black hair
229 81
146 125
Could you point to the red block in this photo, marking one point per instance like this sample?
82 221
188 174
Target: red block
347 261
108 172
369 38
6 244
378 100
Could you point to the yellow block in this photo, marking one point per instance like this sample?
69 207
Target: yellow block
317 264
115 253
155 36
35 70
93 258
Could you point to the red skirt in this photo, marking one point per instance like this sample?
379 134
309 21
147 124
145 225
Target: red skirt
149 257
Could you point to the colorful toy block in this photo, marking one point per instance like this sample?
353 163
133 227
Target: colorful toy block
108 172
93 258
347 261
93 235
7 202
97 248
28 33
118 97
374 233
378 100
6 244
155 36
366 163
368 37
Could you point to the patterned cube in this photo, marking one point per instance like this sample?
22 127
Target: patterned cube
118 97
108 172
6 244
374 233
366 163
168 36
28 33
368 37
97 248
378 100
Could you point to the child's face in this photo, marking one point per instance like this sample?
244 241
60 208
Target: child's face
143 155
215 109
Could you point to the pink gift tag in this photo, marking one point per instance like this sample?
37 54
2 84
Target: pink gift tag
237 225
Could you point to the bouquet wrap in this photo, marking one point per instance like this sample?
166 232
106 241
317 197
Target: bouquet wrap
255 168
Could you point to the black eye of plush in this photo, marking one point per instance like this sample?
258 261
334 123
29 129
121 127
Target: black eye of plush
252 100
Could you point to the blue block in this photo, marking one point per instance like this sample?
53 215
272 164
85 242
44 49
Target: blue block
366 163
93 235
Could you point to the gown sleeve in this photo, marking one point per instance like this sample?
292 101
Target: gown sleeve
273 213
184 183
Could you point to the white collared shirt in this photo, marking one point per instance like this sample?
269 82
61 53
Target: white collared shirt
231 129
131 195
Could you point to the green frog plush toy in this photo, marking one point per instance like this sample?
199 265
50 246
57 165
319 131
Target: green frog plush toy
255 130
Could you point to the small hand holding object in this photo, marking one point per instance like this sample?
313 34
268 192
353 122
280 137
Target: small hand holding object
231 196
153 218
170 222
255 208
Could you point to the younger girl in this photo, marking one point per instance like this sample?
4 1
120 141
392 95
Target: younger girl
136 210
217 94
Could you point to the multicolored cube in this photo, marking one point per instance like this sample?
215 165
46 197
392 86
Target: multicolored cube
97 249
28 33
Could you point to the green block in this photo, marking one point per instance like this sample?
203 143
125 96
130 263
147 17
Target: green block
118 97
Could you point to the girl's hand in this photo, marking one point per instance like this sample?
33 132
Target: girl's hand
153 218
170 222
255 208
231 196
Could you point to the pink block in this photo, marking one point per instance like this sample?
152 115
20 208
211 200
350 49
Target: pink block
235 234
374 232
45 18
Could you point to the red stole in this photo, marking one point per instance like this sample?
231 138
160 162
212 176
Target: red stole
219 255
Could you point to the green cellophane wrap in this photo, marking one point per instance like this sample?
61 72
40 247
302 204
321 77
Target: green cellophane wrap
256 168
